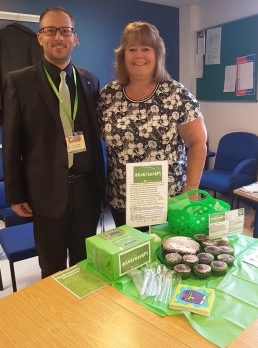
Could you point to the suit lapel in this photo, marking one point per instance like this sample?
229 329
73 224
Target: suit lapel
90 102
86 86
46 92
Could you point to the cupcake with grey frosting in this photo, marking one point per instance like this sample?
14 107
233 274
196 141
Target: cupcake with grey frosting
225 249
190 260
205 258
199 237
222 241
228 258
183 270
219 268
202 271
213 250
173 259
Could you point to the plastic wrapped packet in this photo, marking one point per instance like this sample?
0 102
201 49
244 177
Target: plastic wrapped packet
157 281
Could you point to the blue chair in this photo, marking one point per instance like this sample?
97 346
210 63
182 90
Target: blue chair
209 154
18 244
235 164
7 215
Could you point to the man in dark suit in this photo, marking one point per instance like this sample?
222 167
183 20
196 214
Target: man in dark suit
64 199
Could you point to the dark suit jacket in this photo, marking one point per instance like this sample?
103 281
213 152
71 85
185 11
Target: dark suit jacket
34 149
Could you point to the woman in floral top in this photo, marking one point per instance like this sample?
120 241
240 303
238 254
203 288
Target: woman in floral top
147 116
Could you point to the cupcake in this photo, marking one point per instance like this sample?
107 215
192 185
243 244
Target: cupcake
190 260
173 259
222 241
205 258
228 258
208 242
183 270
213 250
225 249
200 237
202 271
219 268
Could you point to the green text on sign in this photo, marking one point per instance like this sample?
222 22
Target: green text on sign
147 174
134 258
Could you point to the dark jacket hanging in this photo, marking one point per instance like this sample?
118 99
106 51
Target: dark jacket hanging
19 48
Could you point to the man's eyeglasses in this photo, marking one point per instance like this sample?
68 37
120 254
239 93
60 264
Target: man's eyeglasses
51 31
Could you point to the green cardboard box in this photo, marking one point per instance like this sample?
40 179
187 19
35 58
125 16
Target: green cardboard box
117 251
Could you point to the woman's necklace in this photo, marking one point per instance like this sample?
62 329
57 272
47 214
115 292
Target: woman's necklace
138 95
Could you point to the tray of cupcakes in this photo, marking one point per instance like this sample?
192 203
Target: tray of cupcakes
201 256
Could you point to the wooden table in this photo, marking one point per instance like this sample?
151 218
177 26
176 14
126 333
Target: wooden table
47 315
251 197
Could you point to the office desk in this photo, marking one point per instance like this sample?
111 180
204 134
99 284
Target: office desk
254 198
47 315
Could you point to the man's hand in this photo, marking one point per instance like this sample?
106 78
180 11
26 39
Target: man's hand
22 209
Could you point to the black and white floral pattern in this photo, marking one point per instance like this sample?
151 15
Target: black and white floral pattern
143 131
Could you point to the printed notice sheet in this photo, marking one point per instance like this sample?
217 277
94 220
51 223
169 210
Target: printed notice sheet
213 46
199 66
201 42
79 281
225 223
230 78
146 193
252 258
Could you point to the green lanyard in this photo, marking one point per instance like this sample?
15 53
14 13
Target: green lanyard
75 108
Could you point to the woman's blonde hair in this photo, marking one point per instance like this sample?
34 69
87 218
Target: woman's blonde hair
145 34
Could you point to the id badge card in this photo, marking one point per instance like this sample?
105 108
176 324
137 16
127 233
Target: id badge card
75 142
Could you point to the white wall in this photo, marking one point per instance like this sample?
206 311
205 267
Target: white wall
220 117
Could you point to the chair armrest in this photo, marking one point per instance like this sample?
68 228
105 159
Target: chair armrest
210 154
242 165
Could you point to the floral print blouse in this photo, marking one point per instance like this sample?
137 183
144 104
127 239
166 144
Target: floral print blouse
143 131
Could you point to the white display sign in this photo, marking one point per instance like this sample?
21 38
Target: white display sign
225 223
146 193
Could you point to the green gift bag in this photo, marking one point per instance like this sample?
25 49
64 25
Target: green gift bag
188 217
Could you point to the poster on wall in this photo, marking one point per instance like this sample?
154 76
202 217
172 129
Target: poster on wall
245 75
213 46
146 193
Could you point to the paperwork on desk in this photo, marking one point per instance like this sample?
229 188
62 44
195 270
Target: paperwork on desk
79 281
252 258
253 188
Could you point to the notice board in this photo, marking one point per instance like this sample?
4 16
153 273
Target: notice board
238 39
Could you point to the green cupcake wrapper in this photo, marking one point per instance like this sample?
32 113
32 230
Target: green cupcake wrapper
202 276
183 275
219 272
